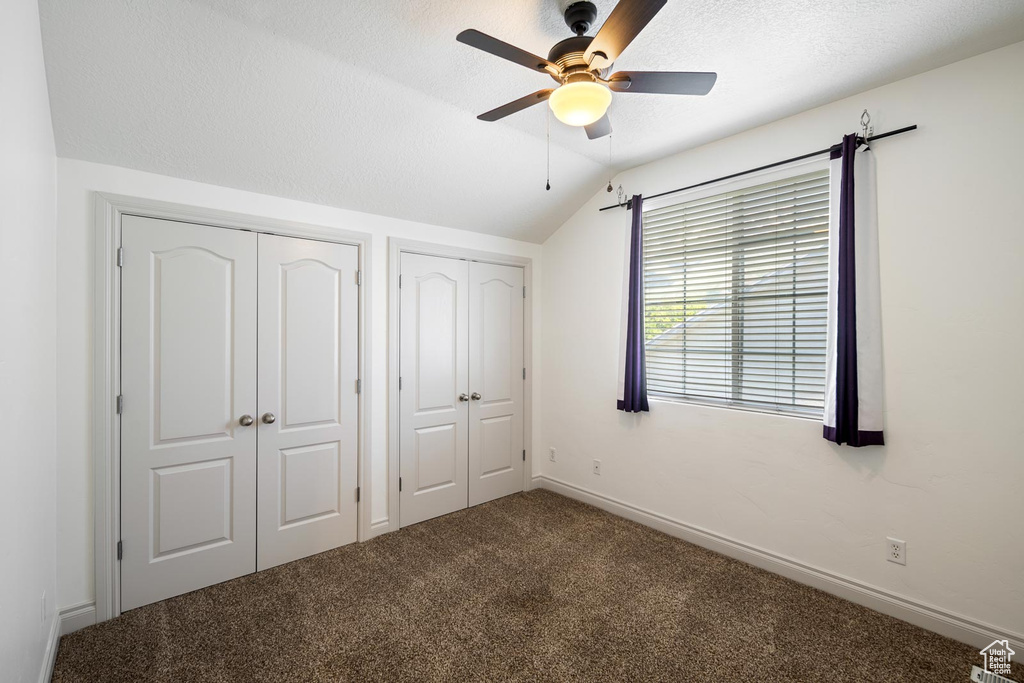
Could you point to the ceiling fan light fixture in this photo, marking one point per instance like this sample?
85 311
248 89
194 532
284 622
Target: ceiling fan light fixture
580 103
582 66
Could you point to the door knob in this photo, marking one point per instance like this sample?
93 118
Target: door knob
475 396
463 397
245 420
268 418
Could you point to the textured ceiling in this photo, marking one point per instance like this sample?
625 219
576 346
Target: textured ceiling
372 105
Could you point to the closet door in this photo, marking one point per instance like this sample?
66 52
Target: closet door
308 423
496 381
434 398
188 376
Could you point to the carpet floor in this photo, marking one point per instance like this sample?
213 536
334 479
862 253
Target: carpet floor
532 587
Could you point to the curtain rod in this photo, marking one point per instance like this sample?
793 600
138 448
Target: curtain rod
871 138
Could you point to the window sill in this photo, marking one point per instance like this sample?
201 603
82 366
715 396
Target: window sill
734 407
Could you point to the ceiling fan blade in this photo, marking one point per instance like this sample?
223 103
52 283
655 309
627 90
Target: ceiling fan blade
620 28
482 41
516 105
599 128
663 82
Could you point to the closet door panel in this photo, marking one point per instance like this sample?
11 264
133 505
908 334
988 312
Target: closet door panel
434 370
188 374
496 364
308 424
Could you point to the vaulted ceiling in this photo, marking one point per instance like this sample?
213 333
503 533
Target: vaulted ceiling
371 105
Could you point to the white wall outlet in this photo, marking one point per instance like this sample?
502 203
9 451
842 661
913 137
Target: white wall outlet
551 454
896 550
597 467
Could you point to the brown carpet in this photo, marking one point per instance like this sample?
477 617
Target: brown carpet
530 587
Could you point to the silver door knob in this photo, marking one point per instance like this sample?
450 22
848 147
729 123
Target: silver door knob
268 418
475 396
245 420
463 397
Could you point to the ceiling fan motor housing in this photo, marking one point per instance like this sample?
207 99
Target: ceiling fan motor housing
568 55
580 16
569 52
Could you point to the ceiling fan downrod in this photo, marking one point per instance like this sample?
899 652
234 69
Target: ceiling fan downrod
580 16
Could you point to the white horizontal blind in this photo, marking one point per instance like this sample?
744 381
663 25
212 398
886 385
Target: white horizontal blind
735 294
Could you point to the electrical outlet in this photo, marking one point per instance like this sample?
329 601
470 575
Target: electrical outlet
896 550
551 454
597 467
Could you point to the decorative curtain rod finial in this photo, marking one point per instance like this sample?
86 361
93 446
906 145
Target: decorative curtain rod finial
867 130
620 195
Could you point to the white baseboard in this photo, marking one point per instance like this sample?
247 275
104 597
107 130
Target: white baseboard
46 672
77 617
949 624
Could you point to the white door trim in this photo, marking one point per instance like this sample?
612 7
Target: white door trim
396 246
107 362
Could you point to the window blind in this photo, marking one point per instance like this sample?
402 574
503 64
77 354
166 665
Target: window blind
735 295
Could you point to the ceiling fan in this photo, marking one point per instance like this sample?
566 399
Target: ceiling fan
581 65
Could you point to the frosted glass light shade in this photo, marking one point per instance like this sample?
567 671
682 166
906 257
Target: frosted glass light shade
580 103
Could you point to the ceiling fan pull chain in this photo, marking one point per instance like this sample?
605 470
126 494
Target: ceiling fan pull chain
547 131
609 189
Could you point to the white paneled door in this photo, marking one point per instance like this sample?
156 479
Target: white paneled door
461 378
496 455
188 375
220 478
308 422
434 395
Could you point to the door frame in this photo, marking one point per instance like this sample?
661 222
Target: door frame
396 247
106 442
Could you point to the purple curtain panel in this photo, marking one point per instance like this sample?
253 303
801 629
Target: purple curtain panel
634 395
853 393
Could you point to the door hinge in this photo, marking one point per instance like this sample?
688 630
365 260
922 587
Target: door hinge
357 494
399 281
120 550
399 383
359 278
524 455
399 484
120 257
359 386
120 403
524 373
524 291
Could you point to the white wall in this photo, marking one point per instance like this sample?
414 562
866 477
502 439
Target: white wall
78 180
27 357
952 249
952 243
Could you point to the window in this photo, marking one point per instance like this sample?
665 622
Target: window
735 295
